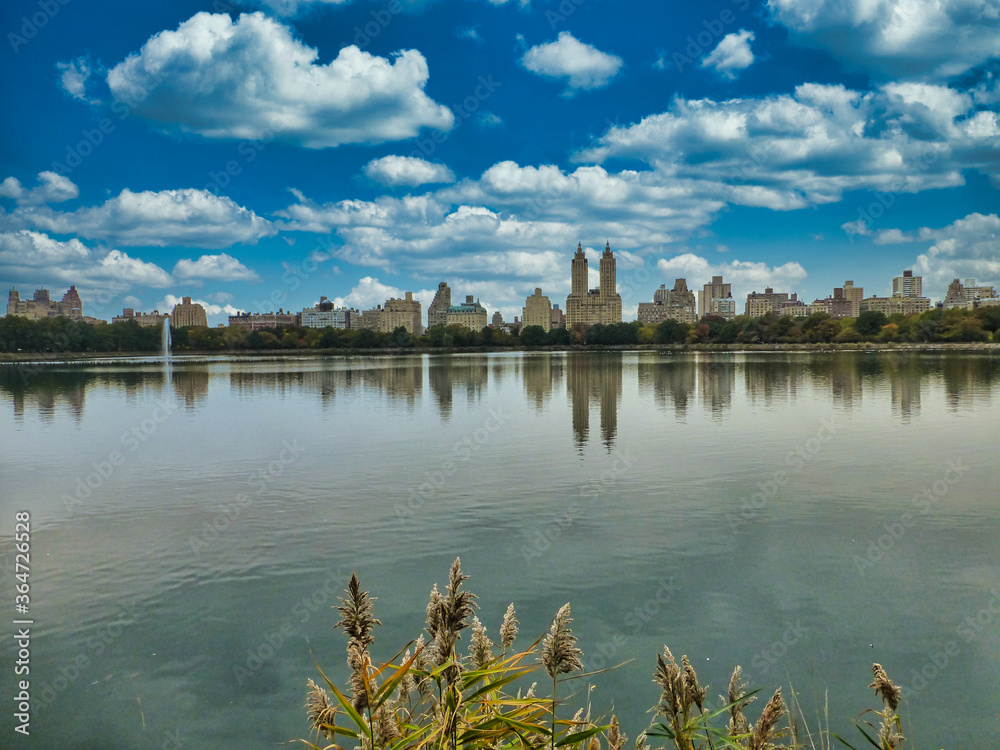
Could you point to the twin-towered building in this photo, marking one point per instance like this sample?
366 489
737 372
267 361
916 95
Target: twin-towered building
592 306
41 306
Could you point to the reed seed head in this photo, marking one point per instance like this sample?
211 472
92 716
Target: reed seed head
480 647
884 688
319 711
692 689
508 630
356 614
559 652
616 737
765 729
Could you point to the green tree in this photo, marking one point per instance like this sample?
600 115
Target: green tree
533 336
671 332
870 322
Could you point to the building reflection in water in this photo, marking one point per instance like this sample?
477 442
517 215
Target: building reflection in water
449 374
672 382
716 380
44 390
594 376
542 374
190 384
770 380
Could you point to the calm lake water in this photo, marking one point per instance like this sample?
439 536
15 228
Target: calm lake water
803 515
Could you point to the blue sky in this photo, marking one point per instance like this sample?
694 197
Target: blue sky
259 155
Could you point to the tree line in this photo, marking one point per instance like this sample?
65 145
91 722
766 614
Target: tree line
52 335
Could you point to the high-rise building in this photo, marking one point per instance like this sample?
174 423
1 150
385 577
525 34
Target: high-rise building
41 306
557 318
908 285
590 306
955 296
497 320
470 314
538 311
439 306
669 304
188 313
973 292
716 298
401 313
761 303
325 315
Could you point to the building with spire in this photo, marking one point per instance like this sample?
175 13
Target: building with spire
589 306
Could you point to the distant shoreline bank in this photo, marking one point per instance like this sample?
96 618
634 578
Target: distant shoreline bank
83 357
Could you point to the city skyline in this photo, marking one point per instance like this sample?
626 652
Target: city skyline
750 140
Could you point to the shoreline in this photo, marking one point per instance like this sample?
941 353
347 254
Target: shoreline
869 346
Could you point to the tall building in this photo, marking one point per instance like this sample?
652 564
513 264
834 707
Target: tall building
188 313
973 292
670 304
538 311
761 303
847 301
955 296
557 318
439 306
41 306
716 298
908 285
470 314
325 315
497 320
590 306
401 313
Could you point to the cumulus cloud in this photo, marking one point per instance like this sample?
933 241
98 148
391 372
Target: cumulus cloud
929 39
582 65
731 55
52 188
406 170
221 78
370 292
218 267
787 151
969 248
37 256
745 276
167 217
215 313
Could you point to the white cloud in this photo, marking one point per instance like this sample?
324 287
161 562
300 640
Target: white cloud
167 217
251 78
787 151
407 170
732 54
583 65
215 313
52 188
489 120
73 76
37 256
370 292
930 39
969 248
745 276
218 267
469 32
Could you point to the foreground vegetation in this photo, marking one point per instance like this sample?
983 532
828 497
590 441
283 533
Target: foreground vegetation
933 326
430 695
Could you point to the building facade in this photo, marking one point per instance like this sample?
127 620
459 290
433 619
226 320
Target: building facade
896 305
438 308
260 321
153 319
469 314
402 313
41 306
908 285
670 304
537 311
762 303
590 306
716 298
325 315
187 314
